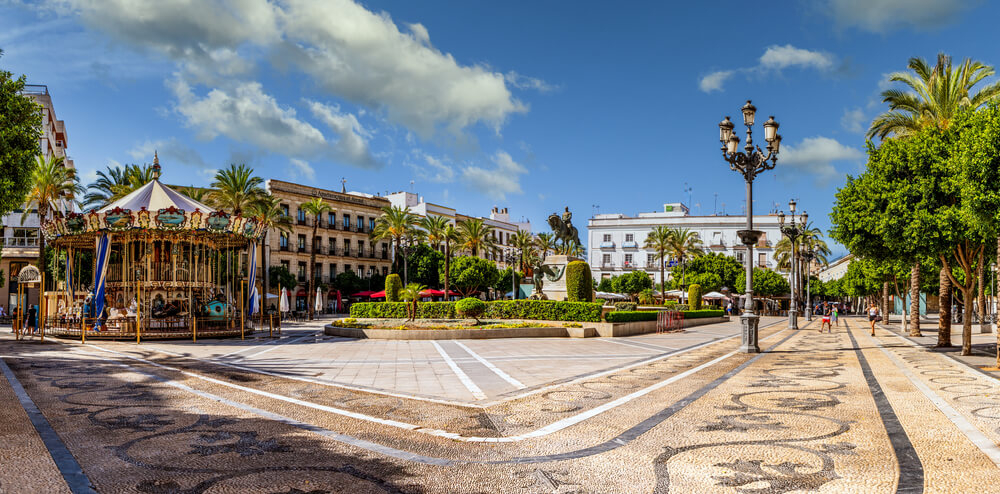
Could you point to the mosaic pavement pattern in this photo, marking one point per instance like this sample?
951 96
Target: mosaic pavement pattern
840 412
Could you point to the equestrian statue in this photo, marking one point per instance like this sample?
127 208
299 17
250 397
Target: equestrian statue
563 228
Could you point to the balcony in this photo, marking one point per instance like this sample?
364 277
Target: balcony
607 245
628 266
629 245
283 248
720 245
302 221
20 241
330 225
608 265
318 249
302 248
332 251
385 255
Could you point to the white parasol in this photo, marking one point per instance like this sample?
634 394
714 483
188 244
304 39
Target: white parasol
283 303
318 306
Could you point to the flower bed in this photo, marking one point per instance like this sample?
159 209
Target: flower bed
545 310
403 324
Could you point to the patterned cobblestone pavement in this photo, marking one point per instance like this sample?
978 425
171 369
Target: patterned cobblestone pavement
840 412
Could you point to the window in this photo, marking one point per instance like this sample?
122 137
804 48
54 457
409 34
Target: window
630 237
285 264
331 219
347 268
361 248
318 271
762 259
302 271
607 237
361 223
347 221
317 243
628 259
385 250
283 240
650 259
347 248
361 271
302 243
385 270
333 271
716 238
371 223
301 215
606 259
284 209
739 256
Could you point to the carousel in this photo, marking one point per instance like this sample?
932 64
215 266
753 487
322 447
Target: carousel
154 264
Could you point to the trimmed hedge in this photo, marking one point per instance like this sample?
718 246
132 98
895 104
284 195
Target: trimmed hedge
546 310
579 282
703 313
628 306
630 316
392 287
694 296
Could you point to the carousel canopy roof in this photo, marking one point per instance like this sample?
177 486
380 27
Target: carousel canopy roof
155 196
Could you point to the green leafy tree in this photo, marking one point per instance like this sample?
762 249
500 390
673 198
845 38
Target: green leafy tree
606 285
475 236
766 283
119 182
709 282
632 283
20 129
660 241
316 207
280 276
424 265
236 188
53 187
471 274
725 268
545 243
524 242
504 281
471 307
684 245
394 224
348 282
434 228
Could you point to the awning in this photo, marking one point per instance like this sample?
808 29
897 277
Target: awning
432 293
378 294
366 293
300 293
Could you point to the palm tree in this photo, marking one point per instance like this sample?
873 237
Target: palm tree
316 207
267 211
236 188
475 235
570 249
433 228
684 244
546 243
118 182
524 243
394 224
412 293
938 94
202 195
52 187
660 240
450 236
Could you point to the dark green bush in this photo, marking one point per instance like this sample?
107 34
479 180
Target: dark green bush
546 310
394 310
694 296
579 282
392 287
703 313
628 306
630 316
471 307
674 305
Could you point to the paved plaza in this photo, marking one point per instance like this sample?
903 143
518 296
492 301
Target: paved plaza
679 412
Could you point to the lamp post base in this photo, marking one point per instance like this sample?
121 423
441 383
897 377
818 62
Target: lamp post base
793 319
749 322
809 314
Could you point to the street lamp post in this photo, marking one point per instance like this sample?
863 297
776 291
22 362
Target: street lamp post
750 162
793 231
808 255
512 257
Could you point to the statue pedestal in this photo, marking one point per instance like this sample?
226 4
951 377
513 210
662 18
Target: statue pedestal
554 287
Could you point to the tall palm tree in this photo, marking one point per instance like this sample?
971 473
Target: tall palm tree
524 242
475 235
938 94
433 228
267 211
236 188
571 248
684 244
53 186
660 240
203 195
449 237
118 182
317 208
395 223
546 243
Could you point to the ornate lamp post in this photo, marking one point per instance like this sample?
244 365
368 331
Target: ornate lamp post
511 257
808 255
793 231
749 163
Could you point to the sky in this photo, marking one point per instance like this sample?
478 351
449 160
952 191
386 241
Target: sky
533 106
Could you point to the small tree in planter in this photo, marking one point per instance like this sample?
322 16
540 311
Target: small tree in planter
471 307
411 294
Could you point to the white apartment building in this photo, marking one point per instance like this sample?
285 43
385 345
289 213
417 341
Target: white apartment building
835 270
499 219
615 241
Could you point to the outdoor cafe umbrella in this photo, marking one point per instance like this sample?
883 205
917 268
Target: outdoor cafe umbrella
713 296
319 300
283 303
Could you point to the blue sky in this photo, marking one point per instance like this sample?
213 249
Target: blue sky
528 105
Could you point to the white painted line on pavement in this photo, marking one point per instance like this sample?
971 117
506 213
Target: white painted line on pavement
275 347
985 444
503 375
644 346
471 386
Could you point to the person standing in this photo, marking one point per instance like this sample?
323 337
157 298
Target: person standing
834 312
824 311
873 316
30 322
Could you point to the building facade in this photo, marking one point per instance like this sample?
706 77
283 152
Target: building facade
20 239
616 241
341 243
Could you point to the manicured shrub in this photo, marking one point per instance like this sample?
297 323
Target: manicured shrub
703 313
694 296
628 306
397 310
471 307
392 287
674 305
630 316
579 282
546 310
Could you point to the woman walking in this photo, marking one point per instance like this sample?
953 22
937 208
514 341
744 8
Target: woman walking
873 316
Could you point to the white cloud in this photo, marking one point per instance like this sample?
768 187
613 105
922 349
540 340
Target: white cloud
780 57
496 182
432 169
853 120
881 16
247 114
815 156
302 169
168 150
714 81
524 82
775 59
352 137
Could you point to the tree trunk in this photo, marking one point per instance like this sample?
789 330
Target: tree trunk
663 279
944 303
967 294
265 282
915 299
981 294
312 270
885 302
447 268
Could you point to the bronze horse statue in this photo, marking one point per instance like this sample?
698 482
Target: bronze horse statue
563 228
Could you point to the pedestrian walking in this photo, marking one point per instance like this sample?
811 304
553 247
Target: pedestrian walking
824 311
30 322
834 312
873 316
